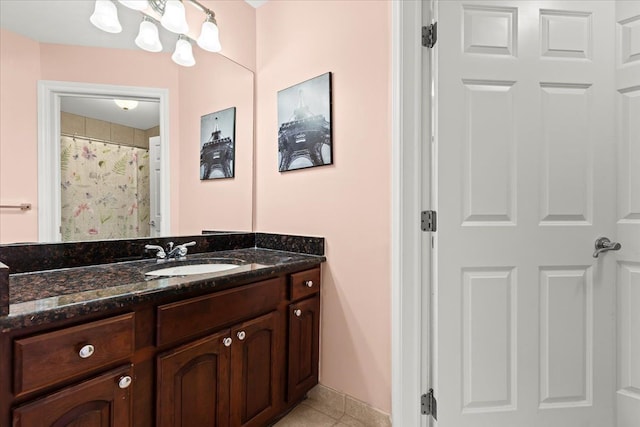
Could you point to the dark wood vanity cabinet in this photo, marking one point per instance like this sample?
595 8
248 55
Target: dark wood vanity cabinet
235 358
104 401
194 382
304 333
228 378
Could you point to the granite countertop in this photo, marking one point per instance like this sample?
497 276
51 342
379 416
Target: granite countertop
42 297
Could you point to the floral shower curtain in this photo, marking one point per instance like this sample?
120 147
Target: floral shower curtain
105 190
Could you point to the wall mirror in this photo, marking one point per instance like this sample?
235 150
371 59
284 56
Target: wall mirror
71 68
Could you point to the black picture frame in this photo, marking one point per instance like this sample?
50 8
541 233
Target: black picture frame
305 119
217 144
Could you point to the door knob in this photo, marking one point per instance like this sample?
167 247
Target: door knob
603 245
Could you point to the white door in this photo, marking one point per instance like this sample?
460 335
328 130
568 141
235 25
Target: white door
155 219
628 224
525 316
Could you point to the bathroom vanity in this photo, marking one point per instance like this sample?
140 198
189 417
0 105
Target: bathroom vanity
233 348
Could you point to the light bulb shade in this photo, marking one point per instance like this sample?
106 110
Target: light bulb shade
209 37
148 38
135 4
174 17
126 104
183 55
105 16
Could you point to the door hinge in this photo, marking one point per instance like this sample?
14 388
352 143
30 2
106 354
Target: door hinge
429 221
430 35
429 405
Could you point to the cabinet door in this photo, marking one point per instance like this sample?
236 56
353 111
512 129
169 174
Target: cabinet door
256 366
104 401
304 338
193 383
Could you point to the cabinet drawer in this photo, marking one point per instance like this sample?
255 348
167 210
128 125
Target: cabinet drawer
304 283
46 359
195 316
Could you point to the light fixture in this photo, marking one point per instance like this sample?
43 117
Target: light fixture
126 104
135 4
148 38
174 17
183 55
171 15
209 39
105 16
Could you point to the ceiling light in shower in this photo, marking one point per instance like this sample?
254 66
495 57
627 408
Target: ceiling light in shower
174 17
148 38
126 104
209 35
183 55
105 16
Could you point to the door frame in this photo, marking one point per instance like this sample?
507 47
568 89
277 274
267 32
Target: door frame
49 93
410 184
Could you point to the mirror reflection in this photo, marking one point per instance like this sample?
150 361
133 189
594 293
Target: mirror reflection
107 151
54 41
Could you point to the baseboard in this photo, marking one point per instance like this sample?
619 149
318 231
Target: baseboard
346 409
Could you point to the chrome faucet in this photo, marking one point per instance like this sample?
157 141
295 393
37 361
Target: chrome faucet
179 251
171 252
160 253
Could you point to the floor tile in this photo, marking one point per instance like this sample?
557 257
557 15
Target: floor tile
305 416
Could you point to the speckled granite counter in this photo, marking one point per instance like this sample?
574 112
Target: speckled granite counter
45 296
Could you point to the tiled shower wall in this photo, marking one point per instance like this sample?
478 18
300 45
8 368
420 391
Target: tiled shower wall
74 124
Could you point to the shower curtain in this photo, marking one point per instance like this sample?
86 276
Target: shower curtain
105 190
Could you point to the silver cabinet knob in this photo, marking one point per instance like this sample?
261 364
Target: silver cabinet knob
86 351
241 335
309 283
297 312
227 341
124 382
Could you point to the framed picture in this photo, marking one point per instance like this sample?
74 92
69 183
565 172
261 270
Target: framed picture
217 144
304 124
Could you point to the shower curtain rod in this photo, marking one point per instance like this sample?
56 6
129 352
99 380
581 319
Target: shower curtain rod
104 141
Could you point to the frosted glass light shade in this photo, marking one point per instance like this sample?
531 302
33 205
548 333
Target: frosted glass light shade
174 18
183 55
209 37
126 104
105 16
148 38
135 4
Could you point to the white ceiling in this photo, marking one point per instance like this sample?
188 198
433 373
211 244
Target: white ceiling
67 22
145 116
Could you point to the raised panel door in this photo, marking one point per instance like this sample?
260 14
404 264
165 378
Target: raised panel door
256 366
193 383
523 328
103 401
304 340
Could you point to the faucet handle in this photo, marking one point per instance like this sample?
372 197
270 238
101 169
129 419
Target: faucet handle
182 249
160 253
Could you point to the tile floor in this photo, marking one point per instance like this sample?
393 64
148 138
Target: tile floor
306 415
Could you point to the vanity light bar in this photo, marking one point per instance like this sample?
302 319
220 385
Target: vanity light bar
148 38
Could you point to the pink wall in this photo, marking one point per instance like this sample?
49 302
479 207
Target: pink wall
349 202
237 24
19 70
220 204
207 86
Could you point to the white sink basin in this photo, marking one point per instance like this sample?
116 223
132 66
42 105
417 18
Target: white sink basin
185 270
